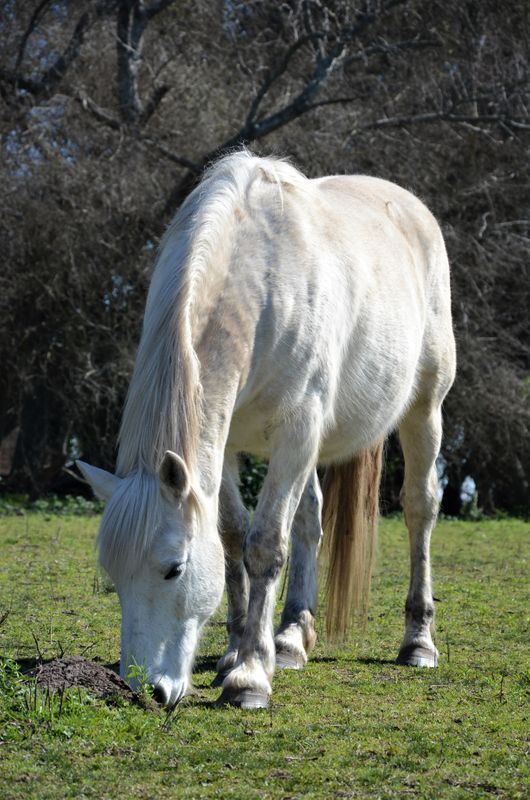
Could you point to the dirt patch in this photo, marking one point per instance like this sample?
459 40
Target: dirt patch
67 672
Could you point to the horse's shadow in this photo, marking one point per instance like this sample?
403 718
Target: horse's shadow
352 660
209 663
380 661
205 664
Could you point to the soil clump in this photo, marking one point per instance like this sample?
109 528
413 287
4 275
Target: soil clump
71 671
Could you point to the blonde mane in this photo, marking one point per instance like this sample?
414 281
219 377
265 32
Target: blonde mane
163 407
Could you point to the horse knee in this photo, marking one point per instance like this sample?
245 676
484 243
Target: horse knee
233 529
264 554
420 503
233 538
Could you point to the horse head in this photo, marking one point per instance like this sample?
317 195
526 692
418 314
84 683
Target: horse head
158 542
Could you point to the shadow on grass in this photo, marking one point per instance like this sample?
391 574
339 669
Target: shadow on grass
205 664
25 665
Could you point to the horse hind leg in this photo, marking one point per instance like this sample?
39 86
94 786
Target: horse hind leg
234 524
296 635
420 434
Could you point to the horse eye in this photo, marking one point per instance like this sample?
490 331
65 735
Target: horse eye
174 572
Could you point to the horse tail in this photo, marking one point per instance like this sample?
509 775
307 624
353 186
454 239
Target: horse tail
350 515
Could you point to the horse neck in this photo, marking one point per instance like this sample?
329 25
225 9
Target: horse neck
219 393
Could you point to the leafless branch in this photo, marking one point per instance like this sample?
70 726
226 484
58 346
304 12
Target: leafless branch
442 116
51 77
153 103
108 119
182 161
274 75
131 23
29 30
101 114
156 7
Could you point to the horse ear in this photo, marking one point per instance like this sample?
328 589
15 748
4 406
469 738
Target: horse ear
103 483
174 475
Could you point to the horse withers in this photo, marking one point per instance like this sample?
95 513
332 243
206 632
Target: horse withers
301 321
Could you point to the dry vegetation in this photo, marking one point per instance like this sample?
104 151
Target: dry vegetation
110 111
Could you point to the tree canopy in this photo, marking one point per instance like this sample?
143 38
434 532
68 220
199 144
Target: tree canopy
110 111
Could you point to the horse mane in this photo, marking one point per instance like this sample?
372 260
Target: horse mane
163 409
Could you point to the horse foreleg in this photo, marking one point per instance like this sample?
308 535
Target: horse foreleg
248 684
296 635
234 524
420 434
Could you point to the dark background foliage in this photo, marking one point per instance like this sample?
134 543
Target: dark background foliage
110 111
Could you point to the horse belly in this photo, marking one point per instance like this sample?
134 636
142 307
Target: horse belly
361 400
358 429
375 387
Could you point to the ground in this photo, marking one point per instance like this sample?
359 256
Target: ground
352 724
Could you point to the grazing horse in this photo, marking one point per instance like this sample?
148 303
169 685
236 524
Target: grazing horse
301 321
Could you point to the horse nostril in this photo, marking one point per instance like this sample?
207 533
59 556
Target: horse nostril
159 695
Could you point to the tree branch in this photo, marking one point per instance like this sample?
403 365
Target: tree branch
54 74
130 27
276 74
193 166
153 103
101 114
441 116
106 118
324 66
29 30
389 48
132 20
155 8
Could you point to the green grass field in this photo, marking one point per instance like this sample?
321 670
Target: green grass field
352 724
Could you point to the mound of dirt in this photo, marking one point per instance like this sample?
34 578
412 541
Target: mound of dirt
63 673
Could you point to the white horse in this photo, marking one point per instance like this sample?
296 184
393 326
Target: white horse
302 321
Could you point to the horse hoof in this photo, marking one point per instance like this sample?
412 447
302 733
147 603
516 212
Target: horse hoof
417 656
285 659
218 680
243 698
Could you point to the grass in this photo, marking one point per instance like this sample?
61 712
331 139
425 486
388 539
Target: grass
352 724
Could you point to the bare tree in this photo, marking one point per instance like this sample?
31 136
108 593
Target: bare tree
112 109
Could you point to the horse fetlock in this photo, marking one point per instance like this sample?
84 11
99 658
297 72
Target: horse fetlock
307 622
227 661
290 649
295 640
419 613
